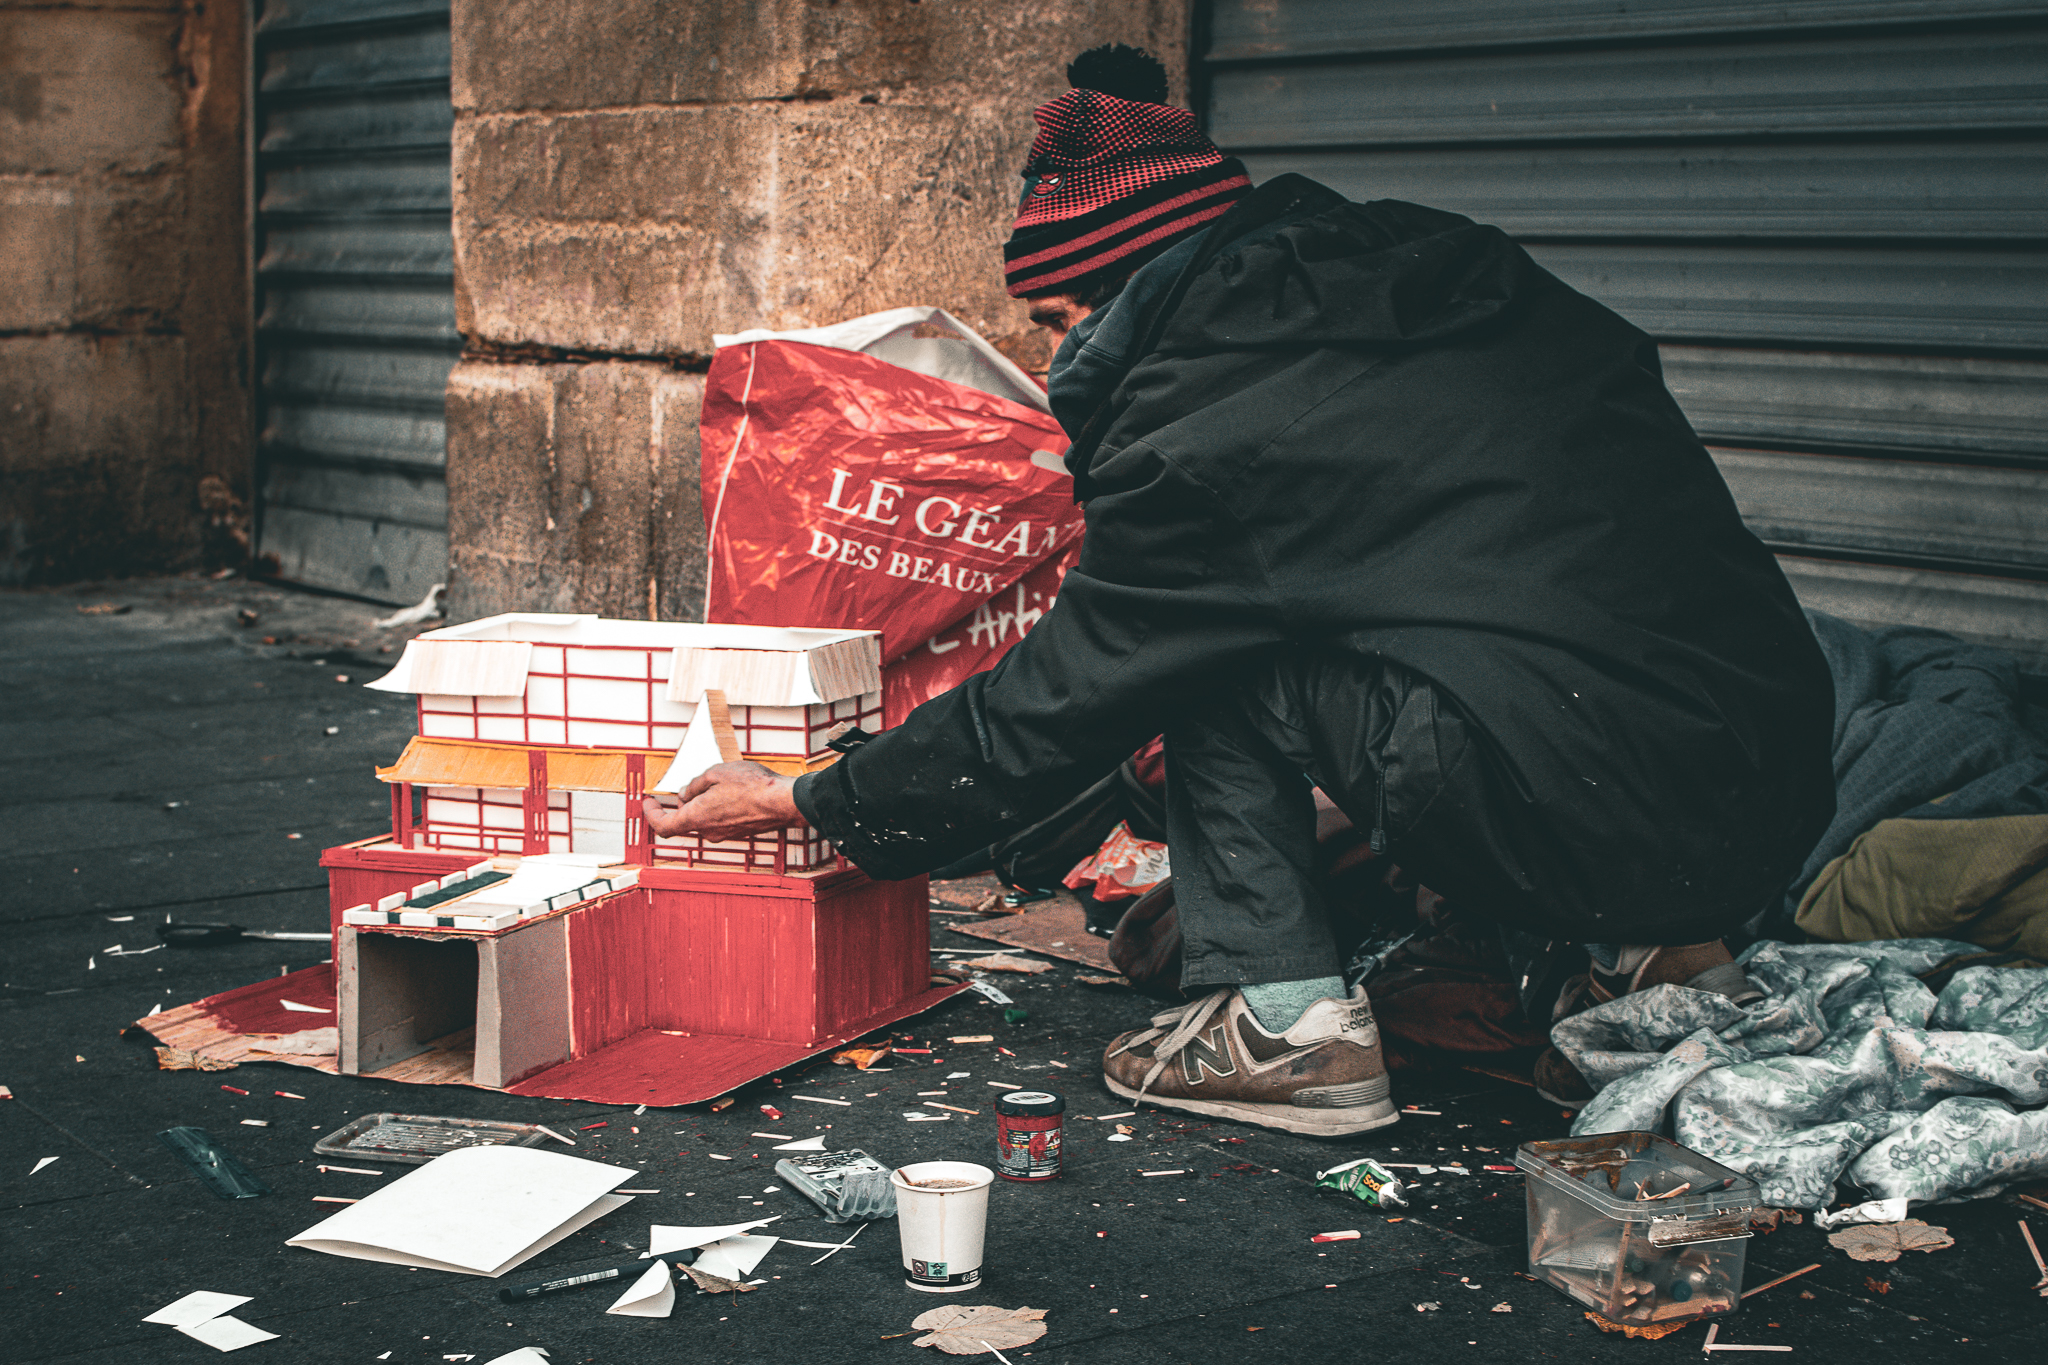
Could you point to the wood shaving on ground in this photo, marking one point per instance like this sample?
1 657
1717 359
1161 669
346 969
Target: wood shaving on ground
972 1330
1887 1241
178 1059
1004 962
1090 979
1648 1332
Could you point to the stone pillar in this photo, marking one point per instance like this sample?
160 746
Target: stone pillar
124 296
632 176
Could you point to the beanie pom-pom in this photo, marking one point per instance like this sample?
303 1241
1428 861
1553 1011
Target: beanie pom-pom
1118 69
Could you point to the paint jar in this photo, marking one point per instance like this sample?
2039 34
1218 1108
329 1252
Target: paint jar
941 1217
1637 1228
1028 1134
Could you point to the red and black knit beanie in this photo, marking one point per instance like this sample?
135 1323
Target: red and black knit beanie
1115 178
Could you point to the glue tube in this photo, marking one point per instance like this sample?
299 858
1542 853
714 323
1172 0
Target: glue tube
1028 1134
1366 1179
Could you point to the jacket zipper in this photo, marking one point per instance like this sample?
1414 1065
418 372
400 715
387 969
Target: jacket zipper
1379 817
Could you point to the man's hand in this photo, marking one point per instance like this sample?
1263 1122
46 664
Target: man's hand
729 801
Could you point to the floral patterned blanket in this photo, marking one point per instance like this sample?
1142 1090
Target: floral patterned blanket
1852 1070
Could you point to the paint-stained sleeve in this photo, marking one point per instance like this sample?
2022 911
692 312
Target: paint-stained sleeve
1167 599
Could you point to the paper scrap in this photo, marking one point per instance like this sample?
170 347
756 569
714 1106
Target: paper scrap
663 1240
653 1295
42 1163
296 1008
1876 1211
227 1333
197 1306
809 1144
474 1211
734 1258
525 1355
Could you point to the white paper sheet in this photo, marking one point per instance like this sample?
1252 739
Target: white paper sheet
474 1211
525 1355
197 1306
733 1258
809 1144
296 1008
662 1240
653 1295
42 1162
697 752
227 1333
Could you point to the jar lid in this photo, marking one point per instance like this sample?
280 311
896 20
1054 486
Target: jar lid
1030 1103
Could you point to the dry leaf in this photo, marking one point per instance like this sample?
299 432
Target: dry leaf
963 1330
1885 1241
178 1059
716 1284
1004 962
862 1057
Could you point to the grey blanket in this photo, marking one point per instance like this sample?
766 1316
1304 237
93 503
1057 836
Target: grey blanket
1851 1070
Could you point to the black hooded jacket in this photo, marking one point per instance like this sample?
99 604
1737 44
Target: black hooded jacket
1384 429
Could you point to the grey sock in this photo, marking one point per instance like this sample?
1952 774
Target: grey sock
1279 1005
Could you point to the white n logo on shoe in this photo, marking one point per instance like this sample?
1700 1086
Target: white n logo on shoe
1206 1052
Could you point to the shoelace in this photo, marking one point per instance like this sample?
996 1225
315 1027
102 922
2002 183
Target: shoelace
1179 1024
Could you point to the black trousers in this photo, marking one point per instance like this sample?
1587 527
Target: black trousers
1401 760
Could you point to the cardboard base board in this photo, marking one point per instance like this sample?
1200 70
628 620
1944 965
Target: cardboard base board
1057 928
652 1067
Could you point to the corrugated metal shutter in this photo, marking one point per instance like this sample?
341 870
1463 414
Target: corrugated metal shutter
355 292
1831 215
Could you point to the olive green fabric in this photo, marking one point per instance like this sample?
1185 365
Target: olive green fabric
1981 881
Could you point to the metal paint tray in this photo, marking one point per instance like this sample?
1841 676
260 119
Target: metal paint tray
416 1139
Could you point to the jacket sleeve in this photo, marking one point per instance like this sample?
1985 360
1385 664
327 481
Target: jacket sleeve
1168 598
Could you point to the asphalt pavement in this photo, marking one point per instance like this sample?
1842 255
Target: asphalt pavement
186 747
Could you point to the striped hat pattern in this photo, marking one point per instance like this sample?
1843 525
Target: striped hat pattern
1112 182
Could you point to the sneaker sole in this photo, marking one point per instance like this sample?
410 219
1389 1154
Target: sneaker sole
1286 1117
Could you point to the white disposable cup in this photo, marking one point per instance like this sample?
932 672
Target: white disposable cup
942 1229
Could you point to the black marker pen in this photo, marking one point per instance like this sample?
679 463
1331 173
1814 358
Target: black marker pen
630 1270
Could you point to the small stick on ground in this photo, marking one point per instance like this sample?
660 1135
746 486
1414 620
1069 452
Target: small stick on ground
1773 1284
2028 1233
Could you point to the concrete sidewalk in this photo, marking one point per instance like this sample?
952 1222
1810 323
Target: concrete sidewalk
164 760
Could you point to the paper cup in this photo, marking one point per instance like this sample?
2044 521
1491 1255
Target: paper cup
941 1213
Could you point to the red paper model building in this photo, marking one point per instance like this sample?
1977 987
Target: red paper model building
519 929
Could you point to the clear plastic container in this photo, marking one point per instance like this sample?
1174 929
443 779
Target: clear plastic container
1636 1227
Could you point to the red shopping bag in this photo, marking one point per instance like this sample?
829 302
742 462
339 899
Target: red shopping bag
843 490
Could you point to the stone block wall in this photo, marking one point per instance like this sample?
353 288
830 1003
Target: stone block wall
633 176
124 392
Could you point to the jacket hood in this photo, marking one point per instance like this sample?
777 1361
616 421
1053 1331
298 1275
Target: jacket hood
1383 275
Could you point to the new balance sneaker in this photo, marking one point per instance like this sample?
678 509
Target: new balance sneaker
1324 1076
1698 966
